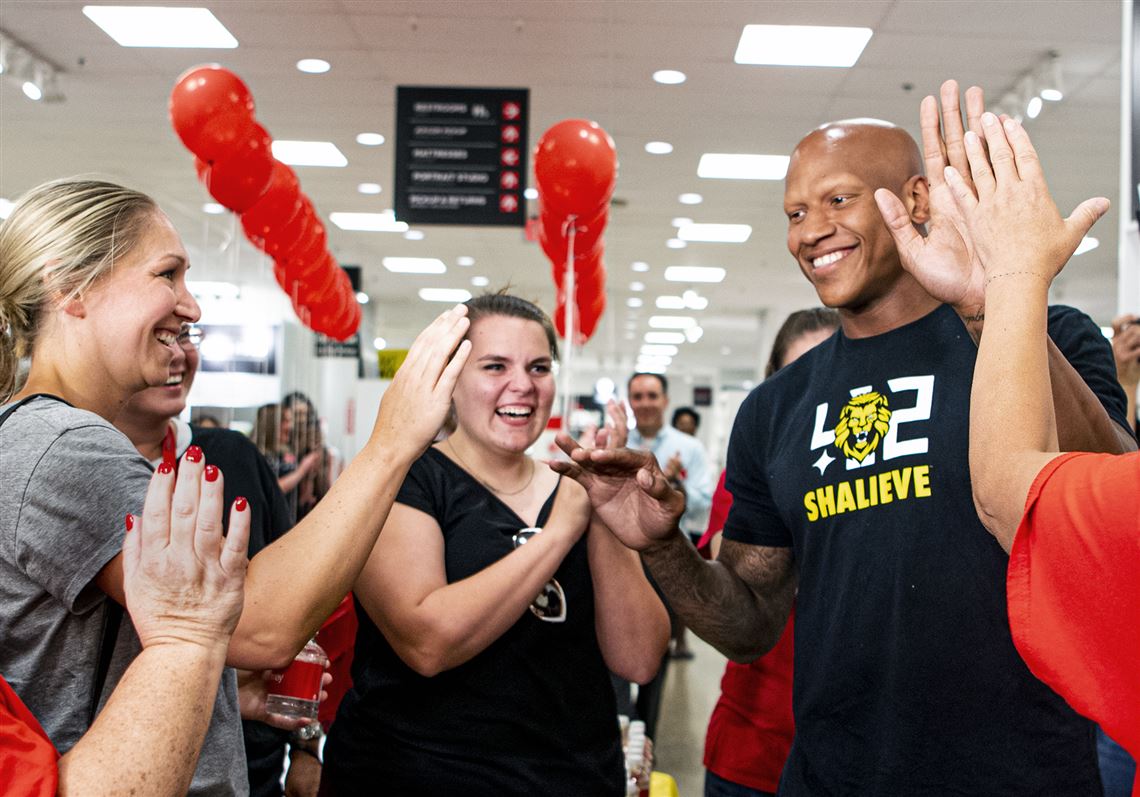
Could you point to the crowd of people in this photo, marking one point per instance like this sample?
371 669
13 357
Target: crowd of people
937 479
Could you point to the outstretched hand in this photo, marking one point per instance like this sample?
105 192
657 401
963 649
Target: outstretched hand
944 262
627 490
1007 209
417 402
183 581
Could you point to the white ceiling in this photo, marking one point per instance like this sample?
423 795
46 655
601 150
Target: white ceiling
590 58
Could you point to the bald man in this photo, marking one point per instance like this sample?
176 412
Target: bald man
850 478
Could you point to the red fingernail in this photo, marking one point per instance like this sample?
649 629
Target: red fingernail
211 473
130 521
193 454
240 503
165 468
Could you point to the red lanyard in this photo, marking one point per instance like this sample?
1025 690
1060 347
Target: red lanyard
170 447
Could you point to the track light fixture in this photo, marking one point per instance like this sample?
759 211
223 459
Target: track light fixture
36 77
1040 84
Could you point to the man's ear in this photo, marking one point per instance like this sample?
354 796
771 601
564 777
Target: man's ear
916 197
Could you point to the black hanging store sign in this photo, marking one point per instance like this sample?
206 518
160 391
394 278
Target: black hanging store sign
461 156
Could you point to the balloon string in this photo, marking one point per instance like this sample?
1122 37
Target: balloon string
568 343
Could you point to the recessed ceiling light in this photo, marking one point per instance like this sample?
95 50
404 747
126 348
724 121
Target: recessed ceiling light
675 243
1087 244
464 260
155 26
630 336
672 321
670 77
725 350
453 295
690 199
659 349
32 91
633 301
480 282
6 206
631 325
1052 95
801 45
531 193
369 139
368 222
653 366
670 303
1033 109
637 287
414 235
369 188
681 221
379 343
309 153
414 265
695 274
213 208
639 265
665 337
693 334
313 66
728 166
694 301
715 233
362 297
658 147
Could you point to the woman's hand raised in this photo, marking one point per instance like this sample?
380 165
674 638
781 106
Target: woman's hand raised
416 403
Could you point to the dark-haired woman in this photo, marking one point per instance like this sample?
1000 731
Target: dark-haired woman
493 608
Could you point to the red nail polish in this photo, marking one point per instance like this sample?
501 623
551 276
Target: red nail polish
211 473
193 454
165 468
130 521
240 503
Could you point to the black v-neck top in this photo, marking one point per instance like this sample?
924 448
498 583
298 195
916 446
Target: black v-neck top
534 713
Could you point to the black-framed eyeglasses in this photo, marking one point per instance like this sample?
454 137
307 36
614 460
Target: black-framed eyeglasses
550 605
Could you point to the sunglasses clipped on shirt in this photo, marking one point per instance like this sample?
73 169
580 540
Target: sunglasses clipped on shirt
550 605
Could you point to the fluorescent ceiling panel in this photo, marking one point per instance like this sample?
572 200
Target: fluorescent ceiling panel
731 166
694 274
672 321
455 295
414 265
715 233
665 337
156 26
801 45
368 222
309 153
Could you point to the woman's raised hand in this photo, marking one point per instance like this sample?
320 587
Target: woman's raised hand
184 581
416 403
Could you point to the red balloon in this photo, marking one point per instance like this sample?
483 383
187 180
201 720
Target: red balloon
211 110
277 206
284 239
239 179
589 313
575 168
554 241
584 266
591 280
321 285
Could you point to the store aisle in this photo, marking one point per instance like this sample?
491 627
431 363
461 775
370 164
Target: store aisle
691 691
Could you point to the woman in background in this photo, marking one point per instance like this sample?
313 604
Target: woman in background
751 727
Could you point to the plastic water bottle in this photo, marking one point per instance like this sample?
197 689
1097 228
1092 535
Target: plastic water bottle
296 690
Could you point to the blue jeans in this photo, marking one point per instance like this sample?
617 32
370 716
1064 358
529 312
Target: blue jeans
1117 769
716 786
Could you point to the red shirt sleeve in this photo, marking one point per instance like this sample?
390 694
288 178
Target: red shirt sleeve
27 757
1073 587
718 514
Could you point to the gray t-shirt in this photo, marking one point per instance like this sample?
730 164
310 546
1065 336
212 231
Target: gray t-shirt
67 480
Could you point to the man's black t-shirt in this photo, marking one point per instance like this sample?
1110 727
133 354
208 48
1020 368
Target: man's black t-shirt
906 680
534 713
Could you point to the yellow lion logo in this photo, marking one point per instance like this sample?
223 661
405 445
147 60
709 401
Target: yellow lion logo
862 423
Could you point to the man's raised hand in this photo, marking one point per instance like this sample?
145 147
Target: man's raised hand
627 490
